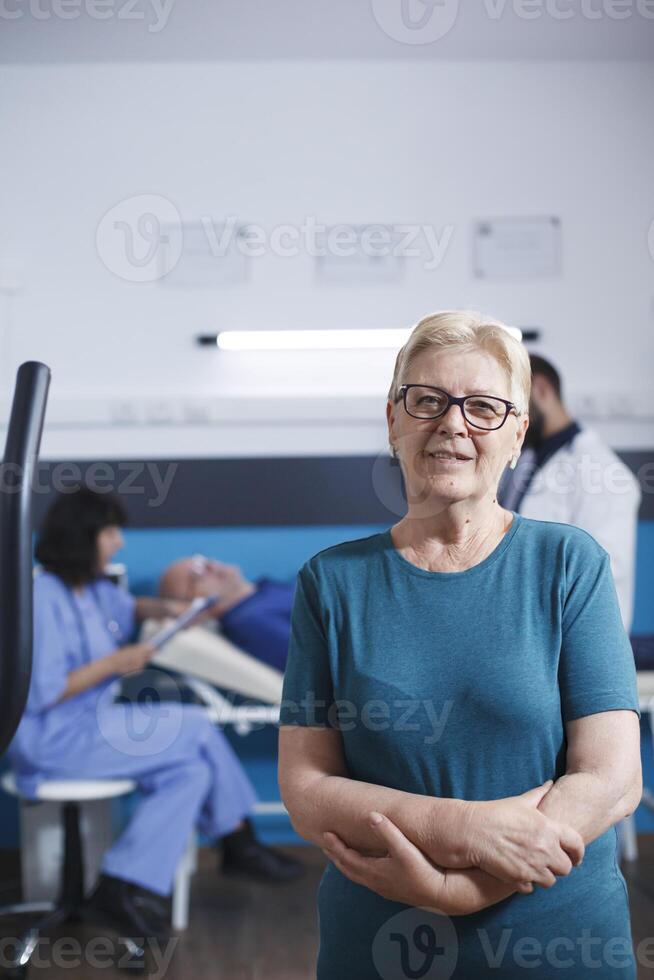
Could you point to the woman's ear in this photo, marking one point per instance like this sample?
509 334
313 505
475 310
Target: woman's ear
521 431
390 420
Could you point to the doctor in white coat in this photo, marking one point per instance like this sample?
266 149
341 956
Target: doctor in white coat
566 473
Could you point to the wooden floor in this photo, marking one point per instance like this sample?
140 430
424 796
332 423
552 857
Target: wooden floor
244 931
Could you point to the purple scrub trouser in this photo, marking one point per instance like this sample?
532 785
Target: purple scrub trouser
186 770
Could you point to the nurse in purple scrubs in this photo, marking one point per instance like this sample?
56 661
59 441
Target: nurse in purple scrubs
73 728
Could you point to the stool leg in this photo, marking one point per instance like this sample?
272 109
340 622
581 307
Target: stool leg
72 877
182 885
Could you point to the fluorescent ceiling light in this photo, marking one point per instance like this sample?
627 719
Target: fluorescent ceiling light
253 340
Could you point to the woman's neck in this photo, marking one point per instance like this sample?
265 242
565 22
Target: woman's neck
459 536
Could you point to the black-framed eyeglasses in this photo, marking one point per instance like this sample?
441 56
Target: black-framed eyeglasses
480 411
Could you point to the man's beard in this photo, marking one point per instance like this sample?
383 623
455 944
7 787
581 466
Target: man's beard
534 434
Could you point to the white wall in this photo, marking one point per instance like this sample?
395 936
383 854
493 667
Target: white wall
442 144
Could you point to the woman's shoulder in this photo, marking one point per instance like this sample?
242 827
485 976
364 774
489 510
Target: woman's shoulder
553 538
104 584
345 553
47 584
112 591
51 595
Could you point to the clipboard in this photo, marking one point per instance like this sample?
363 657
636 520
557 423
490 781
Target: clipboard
165 634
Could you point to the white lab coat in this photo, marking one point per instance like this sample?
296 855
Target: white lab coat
586 484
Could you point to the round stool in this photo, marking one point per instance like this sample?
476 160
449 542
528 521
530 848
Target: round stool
70 793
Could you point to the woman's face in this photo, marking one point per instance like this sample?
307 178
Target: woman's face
430 481
109 540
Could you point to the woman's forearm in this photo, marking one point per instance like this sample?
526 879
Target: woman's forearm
340 805
151 607
590 802
89 675
468 891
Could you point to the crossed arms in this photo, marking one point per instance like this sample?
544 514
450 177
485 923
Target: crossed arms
453 856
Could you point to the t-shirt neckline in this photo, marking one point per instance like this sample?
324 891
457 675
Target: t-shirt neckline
497 552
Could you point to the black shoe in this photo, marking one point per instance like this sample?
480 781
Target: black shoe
133 911
260 863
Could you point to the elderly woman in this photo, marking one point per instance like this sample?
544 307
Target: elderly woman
460 719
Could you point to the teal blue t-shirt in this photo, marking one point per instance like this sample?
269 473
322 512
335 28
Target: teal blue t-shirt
458 685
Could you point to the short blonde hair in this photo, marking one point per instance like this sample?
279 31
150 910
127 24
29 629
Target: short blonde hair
465 330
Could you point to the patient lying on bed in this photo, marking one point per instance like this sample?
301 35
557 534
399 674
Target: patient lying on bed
243 644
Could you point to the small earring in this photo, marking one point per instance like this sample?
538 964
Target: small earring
514 462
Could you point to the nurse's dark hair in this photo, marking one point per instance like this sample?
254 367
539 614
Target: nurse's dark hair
67 542
540 365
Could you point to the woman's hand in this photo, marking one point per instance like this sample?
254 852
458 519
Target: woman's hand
132 657
513 841
403 875
406 875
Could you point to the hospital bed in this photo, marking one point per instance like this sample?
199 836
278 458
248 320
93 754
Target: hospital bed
205 653
208 661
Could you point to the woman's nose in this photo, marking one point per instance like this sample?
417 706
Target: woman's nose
452 422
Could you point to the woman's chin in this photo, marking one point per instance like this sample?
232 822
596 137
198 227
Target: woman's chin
433 495
446 481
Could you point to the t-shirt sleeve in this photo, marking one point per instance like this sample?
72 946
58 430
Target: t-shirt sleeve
308 693
596 668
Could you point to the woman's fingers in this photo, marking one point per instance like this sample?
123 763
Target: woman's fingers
362 868
391 836
350 863
525 887
572 843
562 865
545 878
341 854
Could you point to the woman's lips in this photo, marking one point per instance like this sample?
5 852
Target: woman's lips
450 462
447 460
